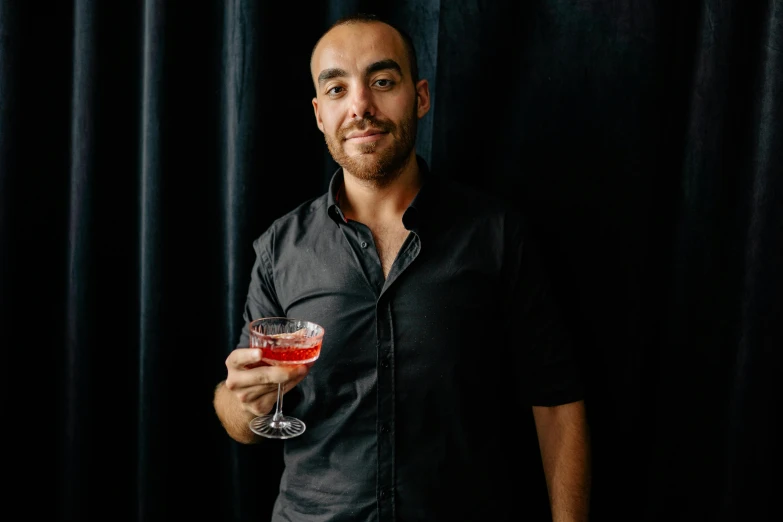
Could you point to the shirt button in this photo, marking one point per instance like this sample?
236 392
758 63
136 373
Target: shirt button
383 494
384 428
364 244
385 363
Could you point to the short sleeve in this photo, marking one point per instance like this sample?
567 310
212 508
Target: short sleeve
261 295
549 373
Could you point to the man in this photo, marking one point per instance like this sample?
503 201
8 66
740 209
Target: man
439 331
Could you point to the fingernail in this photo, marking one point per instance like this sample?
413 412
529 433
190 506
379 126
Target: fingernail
302 370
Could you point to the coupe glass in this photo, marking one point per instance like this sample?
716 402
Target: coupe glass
283 341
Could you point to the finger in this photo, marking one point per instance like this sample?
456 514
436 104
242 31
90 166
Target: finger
261 399
260 408
254 393
280 374
288 386
265 376
242 357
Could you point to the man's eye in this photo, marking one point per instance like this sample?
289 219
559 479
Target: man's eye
384 82
334 90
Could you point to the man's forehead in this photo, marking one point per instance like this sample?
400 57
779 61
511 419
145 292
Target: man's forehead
357 44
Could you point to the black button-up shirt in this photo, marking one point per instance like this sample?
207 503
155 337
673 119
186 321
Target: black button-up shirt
412 406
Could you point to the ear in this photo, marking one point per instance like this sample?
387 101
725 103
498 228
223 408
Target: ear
422 98
318 120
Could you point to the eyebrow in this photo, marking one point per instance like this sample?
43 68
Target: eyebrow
382 65
328 74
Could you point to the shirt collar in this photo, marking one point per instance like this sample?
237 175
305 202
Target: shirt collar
412 216
334 193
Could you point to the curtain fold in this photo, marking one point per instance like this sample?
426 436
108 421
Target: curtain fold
152 220
752 430
78 335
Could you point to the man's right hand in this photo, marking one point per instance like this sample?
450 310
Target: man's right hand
254 383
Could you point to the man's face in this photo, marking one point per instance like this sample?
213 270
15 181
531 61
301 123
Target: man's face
366 103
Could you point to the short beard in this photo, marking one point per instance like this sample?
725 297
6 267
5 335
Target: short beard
380 168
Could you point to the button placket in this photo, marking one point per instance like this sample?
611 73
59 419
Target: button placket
385 433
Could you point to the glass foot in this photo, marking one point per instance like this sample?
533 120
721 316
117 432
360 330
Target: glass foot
282 428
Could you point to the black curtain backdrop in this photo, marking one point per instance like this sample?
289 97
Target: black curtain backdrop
144 145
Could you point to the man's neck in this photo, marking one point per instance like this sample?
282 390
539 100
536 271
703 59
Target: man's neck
372 203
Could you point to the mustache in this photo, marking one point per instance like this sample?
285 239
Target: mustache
364 123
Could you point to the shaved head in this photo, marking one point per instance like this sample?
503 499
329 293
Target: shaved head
410 51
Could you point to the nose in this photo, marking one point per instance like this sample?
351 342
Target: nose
362 103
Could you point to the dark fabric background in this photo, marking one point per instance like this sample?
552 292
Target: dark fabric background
144 145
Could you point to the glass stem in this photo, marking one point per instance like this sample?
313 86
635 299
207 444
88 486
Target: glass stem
279 408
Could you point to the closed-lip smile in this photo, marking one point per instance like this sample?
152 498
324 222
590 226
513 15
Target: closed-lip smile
365 135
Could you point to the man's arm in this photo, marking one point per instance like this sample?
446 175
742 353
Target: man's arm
564 442
248 389
233 416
